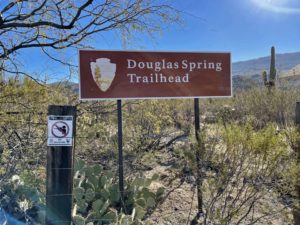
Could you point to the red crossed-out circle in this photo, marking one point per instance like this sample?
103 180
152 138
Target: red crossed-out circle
60 129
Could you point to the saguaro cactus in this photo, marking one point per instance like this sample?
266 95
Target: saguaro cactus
269 80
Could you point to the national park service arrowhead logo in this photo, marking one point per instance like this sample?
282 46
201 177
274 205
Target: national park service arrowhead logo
103 72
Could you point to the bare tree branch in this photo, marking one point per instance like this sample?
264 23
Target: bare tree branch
63 24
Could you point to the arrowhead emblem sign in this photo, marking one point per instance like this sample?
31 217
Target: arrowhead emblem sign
103 72
111 75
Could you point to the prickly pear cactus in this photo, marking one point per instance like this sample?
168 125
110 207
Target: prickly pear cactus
97 197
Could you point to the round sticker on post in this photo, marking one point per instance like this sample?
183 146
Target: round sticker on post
60 130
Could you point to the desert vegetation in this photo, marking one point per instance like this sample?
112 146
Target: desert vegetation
249 167
246 161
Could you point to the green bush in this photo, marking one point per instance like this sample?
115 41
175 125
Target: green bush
259 105
241 169
264 106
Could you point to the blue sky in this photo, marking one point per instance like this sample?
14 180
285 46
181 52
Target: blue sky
246 28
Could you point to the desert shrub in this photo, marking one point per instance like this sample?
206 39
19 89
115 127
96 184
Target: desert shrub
23 111
242 169
275 105
23 116
258 104
97 130
96 137
152 124
147 126
293 138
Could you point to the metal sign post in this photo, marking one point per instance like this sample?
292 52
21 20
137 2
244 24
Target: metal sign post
296 211
298 113
120 154
198 158
61 133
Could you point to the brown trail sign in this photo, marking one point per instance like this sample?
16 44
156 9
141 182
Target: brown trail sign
125 74
140 75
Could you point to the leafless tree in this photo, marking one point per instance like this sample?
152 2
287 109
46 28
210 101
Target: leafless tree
62 24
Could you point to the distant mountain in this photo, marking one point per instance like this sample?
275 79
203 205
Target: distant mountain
292 75
72 86
246 82
284 63
295 71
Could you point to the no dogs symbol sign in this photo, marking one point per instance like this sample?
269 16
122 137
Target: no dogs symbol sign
60 129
